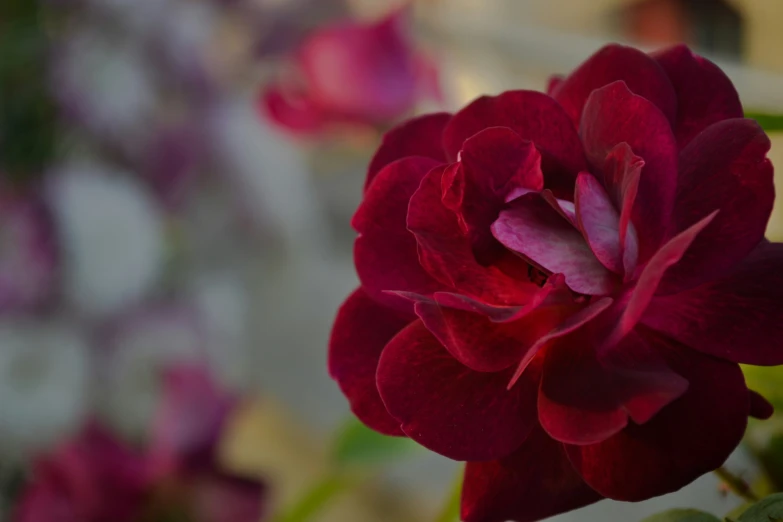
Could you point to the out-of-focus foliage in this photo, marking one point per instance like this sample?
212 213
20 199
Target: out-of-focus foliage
769 122
356 444
682 515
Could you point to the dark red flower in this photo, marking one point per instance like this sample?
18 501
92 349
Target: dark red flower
558 288
352 73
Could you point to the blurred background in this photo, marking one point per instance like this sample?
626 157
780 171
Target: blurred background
177 179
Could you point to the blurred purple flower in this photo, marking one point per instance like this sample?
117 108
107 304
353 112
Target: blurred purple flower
352 73
28 253
98 478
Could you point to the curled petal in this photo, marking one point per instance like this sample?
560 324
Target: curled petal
535 117
738 317
725 167
705 94
422 136
599 222
360 333
613 115
622 171
670 451
292 110
588 392
385 253
449 408
536 481
445 250
534 229
612 63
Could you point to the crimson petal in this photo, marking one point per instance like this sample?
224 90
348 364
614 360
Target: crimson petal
613 115
614 63
725 167
534 229
385 253
360 332
537 481
705 94
535 117
588 392
599 221
445 250
494 162
449 408
691 436
738 318
622 171
420 136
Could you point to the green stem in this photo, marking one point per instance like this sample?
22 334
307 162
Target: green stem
315 499
451 509
737 485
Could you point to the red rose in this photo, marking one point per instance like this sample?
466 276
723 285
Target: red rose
558 288
352 73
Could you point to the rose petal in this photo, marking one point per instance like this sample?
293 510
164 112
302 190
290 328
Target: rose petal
671 450
588 392
535 117
445 250
293 111
532 228
613 115
420 136
599 221
482 343
449 408
612 63
653 272
537 481
494 162
360 332
622 171
705 94
385 253
738 318
725 167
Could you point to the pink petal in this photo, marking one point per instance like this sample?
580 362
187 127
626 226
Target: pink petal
420 136
532 228
385 253
293 111
360 333
445 250
738 318
690 437
535 117
725 167
622 172
613 115
537 481
493 163
220 497
482 343
705 94
365 72
587 392
612 63
449 408
599 221
189 420
653 272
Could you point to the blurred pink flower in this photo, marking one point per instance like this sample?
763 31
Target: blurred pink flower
28 252
352 73
98 478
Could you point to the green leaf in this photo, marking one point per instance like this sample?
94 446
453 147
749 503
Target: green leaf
682 515
769 509
450 512
315 500
768 122
357 444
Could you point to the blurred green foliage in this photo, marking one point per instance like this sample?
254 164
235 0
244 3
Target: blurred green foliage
682 515
357 444
768 122
769 509
27 112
